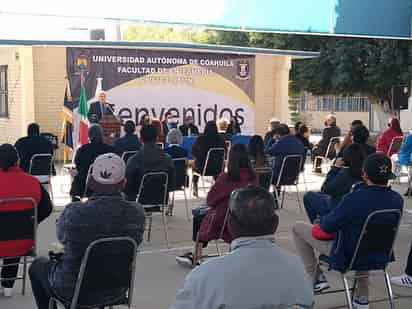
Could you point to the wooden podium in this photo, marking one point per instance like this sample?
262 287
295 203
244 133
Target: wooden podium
111 128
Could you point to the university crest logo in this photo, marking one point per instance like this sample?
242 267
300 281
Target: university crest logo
242 70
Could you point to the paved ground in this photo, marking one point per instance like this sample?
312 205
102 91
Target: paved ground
158 276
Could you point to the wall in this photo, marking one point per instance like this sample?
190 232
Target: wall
271 90
49 63
20 92
316 119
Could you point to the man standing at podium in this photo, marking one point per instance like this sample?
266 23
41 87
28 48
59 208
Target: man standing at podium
99 109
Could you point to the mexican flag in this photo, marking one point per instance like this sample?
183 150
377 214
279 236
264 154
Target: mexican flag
83 123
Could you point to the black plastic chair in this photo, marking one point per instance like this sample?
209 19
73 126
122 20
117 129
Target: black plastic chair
265 176
377 238
288 176
25 217
214 164
41 166
127 155
330 151
181 182
108 264
153 196
395 145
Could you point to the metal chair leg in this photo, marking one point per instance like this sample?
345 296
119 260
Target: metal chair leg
347 291
204 185
149 230
217 248
389 289
23 289
51 189
283 197
297 194
276 195
164 221
186 205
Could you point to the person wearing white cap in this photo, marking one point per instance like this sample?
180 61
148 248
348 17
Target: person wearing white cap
105 214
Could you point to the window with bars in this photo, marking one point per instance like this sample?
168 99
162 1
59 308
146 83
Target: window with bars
4 102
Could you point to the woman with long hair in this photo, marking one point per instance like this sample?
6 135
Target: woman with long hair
383 143
256 148
346 172
207 227
209 139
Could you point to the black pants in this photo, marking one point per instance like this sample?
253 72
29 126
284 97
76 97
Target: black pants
42 290
197 222
8 272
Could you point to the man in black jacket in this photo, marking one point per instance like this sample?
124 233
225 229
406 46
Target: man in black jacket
189 128
85 157
129 142
32 144
331 130
98 109
150 158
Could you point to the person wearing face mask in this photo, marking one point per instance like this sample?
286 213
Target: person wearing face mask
169 122
189 128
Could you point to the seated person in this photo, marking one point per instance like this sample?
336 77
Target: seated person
234 126
346 172
384 141
271 134
348 218
239 174
188 128
347 139
257 154
14 183
404 156
209 139
31 145
222 125
129 142
159 130
303 134
286 145
360 136
331 130
257 273
85 157
174 141
107 214
405 280
150 158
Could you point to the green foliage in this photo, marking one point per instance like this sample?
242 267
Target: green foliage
346 66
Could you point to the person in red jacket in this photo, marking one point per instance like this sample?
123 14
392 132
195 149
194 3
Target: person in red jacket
239 175
15 183
385 139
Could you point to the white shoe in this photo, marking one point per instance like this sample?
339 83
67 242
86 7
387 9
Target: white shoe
360 303
404 281
8 292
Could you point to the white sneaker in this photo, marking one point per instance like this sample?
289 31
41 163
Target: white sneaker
8 292
360 303
404 281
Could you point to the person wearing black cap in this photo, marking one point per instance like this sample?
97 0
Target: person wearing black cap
347 218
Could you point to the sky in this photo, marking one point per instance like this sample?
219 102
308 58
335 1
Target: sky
384 17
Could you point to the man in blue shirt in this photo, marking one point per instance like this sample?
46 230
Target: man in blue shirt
348 218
